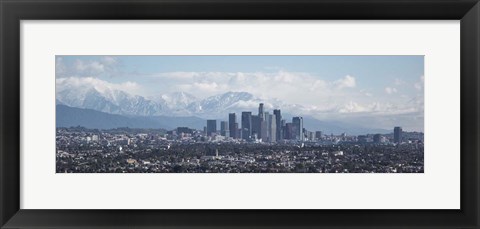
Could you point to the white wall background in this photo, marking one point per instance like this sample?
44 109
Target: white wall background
437 188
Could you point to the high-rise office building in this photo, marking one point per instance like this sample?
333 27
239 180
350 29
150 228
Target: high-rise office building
397 134
310 135
224 128
318 135
211 126
265 127
377 138
237 130
256 126
246 125
261 111
297 123
278 123
289 130
272 128
232 119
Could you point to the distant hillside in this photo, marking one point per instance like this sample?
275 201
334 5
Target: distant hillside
69 116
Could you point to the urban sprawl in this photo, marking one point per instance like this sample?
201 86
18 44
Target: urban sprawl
263 143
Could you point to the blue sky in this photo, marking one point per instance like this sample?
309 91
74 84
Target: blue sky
333 87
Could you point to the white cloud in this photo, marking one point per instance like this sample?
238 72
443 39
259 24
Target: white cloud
86 83
352 107
89 67
398 82
279 84
346 82
315 95
60 68
378 108
109 60
108 66
318 85
419 84
390 90
366 93
209 87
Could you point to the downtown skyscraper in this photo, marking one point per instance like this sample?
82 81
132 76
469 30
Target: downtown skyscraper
261 111
264 127
278 124
211 126
232 120
298 128
397 134
224 130
246 125
272 128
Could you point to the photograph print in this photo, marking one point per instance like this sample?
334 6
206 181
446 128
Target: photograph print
239 114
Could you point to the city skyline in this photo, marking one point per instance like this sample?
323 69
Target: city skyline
266 127
373 91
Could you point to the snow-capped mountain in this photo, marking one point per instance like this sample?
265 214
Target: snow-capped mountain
105 99
178 100
223 103
92 94
168 110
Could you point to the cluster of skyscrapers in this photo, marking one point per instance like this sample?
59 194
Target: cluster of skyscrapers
264 126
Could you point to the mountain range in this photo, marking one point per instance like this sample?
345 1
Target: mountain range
105 108
70 116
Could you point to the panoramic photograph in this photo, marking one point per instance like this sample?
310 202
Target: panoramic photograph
239 114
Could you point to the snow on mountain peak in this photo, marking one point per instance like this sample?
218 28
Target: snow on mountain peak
178 99
101 96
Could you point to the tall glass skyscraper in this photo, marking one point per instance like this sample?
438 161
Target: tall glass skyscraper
272 128
397 134
297 123
256 126
211 126
232 119
246 125
261 111
224 128
278 124
289 131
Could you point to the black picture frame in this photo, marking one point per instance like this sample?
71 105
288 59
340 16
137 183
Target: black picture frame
13 11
